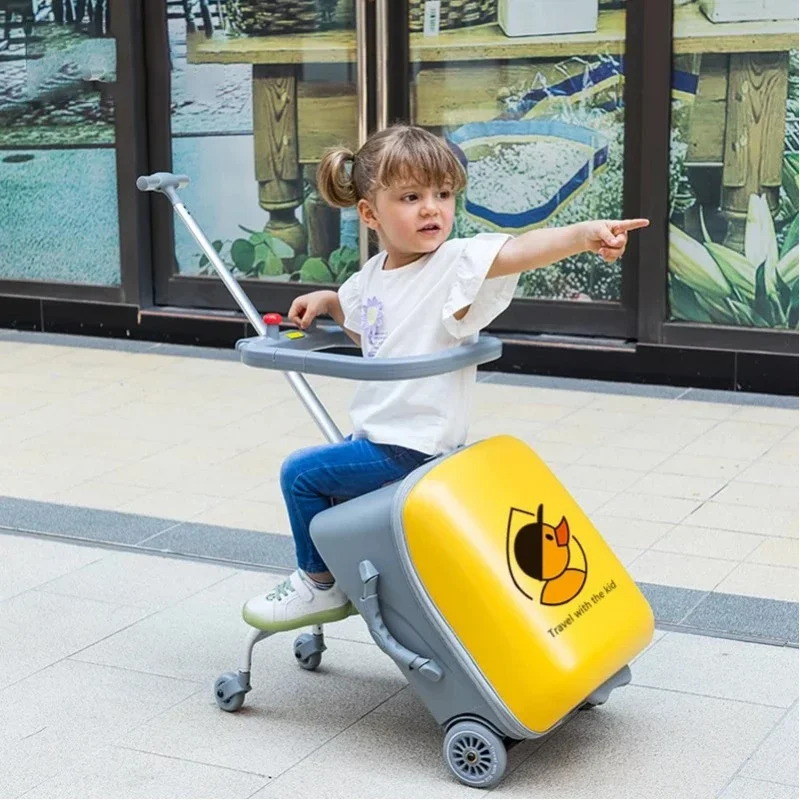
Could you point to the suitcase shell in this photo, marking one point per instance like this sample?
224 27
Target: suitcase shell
490 568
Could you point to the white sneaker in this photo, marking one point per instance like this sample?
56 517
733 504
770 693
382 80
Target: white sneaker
296 603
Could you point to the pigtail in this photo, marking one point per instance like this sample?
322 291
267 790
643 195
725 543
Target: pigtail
335 178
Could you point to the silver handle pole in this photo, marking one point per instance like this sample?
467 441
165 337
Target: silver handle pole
297 381
381 48
233 285
363 108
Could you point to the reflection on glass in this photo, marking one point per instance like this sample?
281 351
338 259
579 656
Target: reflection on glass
260 89
58 204
733 257
532 101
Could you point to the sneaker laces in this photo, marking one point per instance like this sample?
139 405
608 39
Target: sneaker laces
283 589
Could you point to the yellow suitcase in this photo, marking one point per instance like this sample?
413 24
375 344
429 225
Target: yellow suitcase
494 594
522 579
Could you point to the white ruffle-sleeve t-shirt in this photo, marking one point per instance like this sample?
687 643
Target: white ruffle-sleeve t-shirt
408 311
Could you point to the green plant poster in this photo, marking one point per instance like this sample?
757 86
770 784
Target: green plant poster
733 228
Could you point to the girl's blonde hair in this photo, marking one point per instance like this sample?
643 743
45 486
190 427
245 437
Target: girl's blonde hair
401 153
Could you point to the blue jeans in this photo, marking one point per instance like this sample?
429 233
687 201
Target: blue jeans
313 478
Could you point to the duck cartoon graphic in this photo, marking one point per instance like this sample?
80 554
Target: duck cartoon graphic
544 560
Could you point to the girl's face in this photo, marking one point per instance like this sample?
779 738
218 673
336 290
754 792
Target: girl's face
410 219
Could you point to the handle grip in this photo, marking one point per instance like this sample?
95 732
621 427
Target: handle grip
426 667
161 181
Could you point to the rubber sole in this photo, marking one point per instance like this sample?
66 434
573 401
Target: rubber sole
322 618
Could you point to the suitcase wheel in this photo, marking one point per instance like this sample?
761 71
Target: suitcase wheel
475 754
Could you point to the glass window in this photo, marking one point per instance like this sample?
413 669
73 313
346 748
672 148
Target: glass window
531 96
58 204
734 164
259 90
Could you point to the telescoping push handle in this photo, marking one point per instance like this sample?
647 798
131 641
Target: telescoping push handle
161 181
168 184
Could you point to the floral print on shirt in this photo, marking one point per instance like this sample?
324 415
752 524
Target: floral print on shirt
372 325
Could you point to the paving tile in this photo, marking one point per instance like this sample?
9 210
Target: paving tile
671 604
737 440
784 451
27 562
494 395
664 441
71 469
767 471
650 507
748 789
201 453
678 569
531 412
496 426
96 493
709 542
685 428
644 743
685 407
120 772
229 544
38 629
607 479
762 580
208 626
776 551
169 504
623 457
767 414
352 629
721 668
553 453
627 532
627 554
776 758
658 635
702 466
153 472
761 618
747 519
84 523
52 719
395 751
604 420
635 404
83 439
759 495
287 716
591 499
579 435
240 513
267 492
219 480
691 487
144 581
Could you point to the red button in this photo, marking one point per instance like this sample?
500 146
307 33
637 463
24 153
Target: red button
273 319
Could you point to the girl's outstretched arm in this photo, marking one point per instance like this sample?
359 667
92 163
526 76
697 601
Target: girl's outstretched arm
539 248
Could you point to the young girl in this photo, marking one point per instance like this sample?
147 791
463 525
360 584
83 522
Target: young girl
420 295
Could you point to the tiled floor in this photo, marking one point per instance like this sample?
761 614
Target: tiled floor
171 449
108 660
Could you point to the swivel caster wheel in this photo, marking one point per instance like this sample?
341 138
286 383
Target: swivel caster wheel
475 754
308 649
229 691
